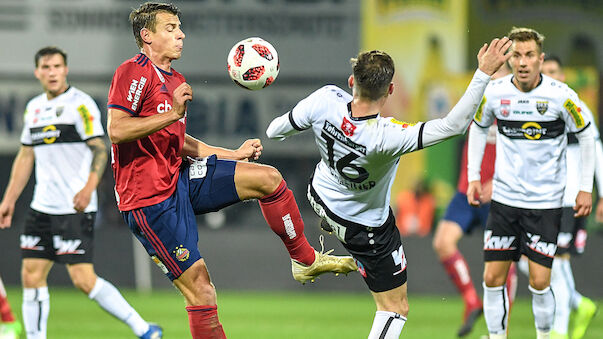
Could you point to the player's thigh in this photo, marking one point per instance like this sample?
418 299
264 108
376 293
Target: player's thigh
503 233
379 253
495 272
34 272
254 181
168 232
73 237
36 239
394 300
572 233
540 229
209 184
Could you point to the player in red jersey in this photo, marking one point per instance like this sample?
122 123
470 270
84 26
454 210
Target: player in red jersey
460 219
159 193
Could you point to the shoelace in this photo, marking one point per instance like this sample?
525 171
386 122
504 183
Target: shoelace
322 253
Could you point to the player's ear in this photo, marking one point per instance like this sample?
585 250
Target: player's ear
351 81
390 90
145 35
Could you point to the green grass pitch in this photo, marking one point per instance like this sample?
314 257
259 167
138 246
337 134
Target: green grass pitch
266 315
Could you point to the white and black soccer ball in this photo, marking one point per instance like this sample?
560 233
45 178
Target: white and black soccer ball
253 63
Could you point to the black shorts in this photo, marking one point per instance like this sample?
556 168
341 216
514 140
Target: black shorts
572 234
513 231
66 239
377 251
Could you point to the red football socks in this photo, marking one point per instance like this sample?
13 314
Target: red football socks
204 323
6 314
458 270
282 214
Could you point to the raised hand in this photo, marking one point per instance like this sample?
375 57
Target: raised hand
491 57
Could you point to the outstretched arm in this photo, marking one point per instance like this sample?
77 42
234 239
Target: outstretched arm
251 149
19 176
490 58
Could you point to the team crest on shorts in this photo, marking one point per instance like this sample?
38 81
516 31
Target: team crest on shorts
181 253
542 106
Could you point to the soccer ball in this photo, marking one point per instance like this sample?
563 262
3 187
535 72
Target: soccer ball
253 63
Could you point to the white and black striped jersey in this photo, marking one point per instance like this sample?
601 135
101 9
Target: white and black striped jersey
57 130
530 170
360 156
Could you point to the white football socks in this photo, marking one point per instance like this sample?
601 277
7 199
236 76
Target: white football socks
563 294
387 325
543 307
36 306
109 298
496 310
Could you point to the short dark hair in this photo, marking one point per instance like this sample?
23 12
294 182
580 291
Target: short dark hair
145 17
49 50
373 72
551 57
526 34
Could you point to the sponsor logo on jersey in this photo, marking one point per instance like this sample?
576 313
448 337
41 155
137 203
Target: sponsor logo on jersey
531 130
523 101
163 89
347 127
479 114
164 107
334 132
182 253
504 107
59 111
575 112
135 91
63 246
86 119
498 243
542 106
545 248
30 242
48 135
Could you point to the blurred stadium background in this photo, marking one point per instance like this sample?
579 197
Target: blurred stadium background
433 42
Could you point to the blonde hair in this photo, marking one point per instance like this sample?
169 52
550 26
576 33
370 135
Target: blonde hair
526 34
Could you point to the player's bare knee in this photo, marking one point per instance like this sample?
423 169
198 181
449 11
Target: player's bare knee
493 280
539 283
31 278
82 283
271 178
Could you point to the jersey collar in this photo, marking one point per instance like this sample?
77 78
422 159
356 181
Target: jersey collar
539 82
359 118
